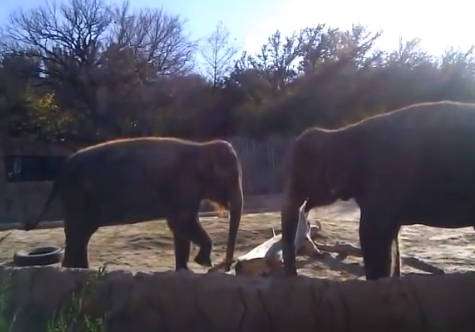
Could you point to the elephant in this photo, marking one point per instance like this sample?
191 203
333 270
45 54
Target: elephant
131 180
413 165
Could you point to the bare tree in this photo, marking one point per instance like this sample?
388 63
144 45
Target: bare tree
67 40
218 52
155 37
73 39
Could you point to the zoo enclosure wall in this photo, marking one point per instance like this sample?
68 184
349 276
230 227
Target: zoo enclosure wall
28 168
184 301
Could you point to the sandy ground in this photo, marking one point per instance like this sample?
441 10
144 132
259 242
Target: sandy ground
149 246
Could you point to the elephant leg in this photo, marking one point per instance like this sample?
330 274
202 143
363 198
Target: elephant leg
380 249
198 235
189 226
182 251
77 241
289 222
396 263
186 229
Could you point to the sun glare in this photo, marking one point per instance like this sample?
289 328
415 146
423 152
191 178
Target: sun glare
438 24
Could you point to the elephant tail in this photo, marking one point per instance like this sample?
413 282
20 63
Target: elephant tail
28 226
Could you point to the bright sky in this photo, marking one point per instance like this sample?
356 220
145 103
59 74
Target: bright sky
438 23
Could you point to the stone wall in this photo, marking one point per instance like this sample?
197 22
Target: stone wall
184 301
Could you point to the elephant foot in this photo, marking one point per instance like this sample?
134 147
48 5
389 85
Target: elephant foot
74 265
203 260
288 272
182 268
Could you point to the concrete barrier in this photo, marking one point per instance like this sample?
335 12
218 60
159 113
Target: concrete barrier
184 301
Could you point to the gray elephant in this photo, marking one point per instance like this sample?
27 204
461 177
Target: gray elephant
126 181
414 165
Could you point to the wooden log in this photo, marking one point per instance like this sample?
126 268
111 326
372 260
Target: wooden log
267 257
346 249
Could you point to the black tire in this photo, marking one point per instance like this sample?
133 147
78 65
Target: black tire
46 255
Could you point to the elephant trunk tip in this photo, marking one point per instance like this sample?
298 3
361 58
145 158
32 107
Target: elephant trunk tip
228 264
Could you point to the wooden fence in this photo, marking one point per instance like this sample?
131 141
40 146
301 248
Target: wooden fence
262 163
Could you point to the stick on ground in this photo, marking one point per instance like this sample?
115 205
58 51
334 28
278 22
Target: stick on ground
267 256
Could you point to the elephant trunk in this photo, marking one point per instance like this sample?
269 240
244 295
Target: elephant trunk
235 212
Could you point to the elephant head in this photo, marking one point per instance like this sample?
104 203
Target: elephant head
220 177
321 169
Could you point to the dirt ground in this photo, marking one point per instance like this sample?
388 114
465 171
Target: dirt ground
149 246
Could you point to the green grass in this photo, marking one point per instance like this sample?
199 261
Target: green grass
69 318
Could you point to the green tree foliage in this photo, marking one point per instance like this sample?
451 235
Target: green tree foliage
88 70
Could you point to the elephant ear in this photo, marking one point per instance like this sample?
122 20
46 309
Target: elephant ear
214 159
182 179
197 163
340 167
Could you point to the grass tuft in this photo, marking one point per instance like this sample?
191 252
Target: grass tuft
66 319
